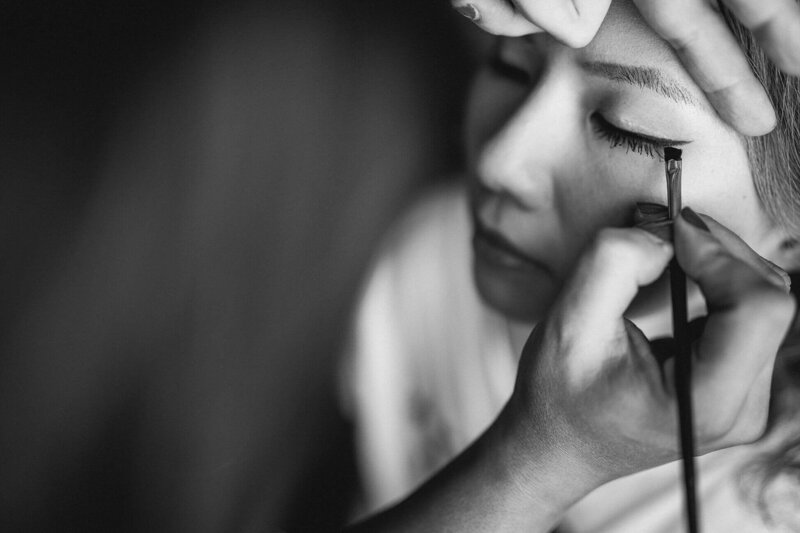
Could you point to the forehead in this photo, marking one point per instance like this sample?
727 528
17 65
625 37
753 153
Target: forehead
626 39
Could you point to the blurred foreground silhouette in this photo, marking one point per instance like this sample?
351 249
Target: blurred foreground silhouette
191 191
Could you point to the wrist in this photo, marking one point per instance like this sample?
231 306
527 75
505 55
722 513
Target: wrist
503 482
543 471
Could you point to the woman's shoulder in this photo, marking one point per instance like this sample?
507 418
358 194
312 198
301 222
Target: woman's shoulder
428 365
390 365
419 309
422 264
434 228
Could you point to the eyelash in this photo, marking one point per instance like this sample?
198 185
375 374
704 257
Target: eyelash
633 142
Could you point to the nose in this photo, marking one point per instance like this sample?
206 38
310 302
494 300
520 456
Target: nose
521 160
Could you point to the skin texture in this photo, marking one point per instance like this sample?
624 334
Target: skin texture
591 404
546 177
553 195
695 30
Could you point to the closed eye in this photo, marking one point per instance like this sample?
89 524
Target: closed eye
632 142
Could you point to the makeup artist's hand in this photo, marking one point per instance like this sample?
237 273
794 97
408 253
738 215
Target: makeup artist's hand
695 29
573 22
589 386
708 50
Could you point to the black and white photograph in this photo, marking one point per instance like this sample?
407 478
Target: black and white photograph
359 266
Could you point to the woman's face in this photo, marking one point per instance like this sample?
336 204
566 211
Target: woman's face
563 142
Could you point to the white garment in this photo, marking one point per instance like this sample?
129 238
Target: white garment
430 367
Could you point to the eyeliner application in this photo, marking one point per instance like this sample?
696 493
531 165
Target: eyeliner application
674 164
683 354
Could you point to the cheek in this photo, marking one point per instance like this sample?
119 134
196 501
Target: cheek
602 190
590 198
723 189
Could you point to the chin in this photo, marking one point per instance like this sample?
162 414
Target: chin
520 297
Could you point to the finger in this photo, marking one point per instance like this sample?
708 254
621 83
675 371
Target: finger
498 17
572 22
712 56
605 281
654 218
748 315
648 362
752 418
721 422
776 26
740 249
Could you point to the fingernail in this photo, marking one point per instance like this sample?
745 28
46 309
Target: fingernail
694 219
469 11
649 212
651 208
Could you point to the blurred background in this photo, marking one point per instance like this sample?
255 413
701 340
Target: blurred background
191 192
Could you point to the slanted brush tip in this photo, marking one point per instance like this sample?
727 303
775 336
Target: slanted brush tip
671 153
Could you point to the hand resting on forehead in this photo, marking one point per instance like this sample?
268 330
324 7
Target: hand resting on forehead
695 28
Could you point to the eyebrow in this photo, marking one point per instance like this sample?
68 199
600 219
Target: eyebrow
645 78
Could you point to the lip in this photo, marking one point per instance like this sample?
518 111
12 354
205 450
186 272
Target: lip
497 249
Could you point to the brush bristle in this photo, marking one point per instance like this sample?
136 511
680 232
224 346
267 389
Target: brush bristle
671 153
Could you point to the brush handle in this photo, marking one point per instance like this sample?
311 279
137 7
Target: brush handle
683 388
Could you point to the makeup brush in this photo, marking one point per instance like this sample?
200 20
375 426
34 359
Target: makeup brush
683 350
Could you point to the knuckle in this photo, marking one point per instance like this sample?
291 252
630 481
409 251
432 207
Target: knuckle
681 32
752 431
661 12
684 39
731 426
610 240
769 304
718 428
615 246
749 429
721 422
715 262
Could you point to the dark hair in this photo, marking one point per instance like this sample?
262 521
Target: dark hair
775 166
